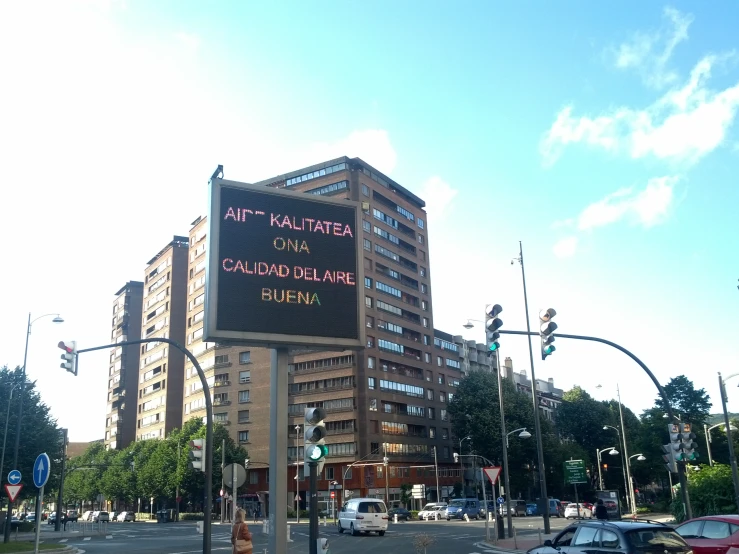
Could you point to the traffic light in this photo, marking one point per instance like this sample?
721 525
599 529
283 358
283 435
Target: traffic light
605 467
385 460
688 443
197 454
246 463
669 458
70 356
315 437
676 444
456 458
546 332
492 324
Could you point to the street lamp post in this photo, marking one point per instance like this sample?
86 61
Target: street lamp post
706 431
461 467
297 473
57 319
5 434
732 457
623 463
611 451
640 458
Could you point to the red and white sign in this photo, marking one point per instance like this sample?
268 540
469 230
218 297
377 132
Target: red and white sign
12 491
492 473
333 494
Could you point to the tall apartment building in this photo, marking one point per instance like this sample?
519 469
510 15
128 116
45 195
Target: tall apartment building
231 372
389 399
161 367
550 397
466 355
123 371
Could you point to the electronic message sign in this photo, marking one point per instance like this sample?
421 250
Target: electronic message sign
283 268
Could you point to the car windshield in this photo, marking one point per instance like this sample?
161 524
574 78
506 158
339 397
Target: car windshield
456 503
428 507
371 508
663 539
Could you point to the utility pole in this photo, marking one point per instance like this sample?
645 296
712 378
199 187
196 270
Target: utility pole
436 470
177 490
630 491
59 500
535 399
732 455
313 493
387 474
223 483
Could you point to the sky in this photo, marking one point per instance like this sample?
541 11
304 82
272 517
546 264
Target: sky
603 137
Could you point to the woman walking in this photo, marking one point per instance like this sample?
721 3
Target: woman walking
240 535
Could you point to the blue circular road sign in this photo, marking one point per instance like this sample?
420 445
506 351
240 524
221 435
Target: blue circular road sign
501 500
41 470
14 477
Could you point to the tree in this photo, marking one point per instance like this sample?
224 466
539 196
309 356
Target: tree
691 404
711 492
39 432
405 494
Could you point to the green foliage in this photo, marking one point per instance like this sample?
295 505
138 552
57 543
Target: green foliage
39 432
405 493
199 516
643 510
414 514
711 490
691 404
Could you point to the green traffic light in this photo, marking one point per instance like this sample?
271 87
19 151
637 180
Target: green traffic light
548 350
494 347
317 451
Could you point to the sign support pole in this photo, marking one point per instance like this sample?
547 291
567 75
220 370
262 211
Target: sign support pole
277 543
313 527
38 518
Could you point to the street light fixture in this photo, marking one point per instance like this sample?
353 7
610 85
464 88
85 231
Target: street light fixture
706 431
524 434
57 319
623 465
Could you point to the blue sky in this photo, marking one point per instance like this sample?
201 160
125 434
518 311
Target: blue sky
603 138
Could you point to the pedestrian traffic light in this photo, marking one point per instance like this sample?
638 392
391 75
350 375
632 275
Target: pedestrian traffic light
246 463
197 454
492 324
687 443
315 437
669 458
70 356
546 332
456 458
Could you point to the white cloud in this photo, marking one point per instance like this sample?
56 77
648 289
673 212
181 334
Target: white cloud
438 195
682 126
566 247
642 54
372 145
646 207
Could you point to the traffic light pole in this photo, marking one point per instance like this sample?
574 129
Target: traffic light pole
277 542
313 493
732 455
663 394
207 509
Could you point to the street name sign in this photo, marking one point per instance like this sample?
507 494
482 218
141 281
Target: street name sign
14 477
492 473
12 491
284 268
41 470
575 473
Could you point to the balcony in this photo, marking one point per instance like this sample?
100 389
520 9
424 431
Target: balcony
223 402
222 383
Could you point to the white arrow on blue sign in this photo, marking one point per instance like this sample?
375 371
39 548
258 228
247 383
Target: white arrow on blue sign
501 500
14 477
41 469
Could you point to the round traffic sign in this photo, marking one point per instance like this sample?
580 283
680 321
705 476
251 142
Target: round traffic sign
501 500
14 477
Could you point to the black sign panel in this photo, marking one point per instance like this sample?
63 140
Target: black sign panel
286 266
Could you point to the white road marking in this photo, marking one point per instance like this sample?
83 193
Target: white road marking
64 540
86 538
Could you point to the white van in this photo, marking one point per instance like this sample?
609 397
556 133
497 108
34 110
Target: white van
362 515
432 507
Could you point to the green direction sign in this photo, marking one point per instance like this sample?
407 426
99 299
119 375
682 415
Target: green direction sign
575 472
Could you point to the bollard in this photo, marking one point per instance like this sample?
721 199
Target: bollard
466 518
490 516
539 531
515 539
289 535
324 521
436 516
395 518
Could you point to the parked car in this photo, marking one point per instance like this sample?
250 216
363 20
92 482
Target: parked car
459 507
100 517
87 516
52 518
126 516
711 534
402 513
432 508
30 517
532 510
72 515
574 511
615 537
518 508
555 507
363 515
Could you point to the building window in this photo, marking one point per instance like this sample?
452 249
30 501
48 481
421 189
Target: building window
424 288
348 473
243 436
426 322
373 404
367 244
379 471
370 342
420 239
329 474
432 432
371 383
441 378
443 415
253 478
367 283
369 321
444 434
439 361
419 222
430 394
446 453
371 362
432 413
222 359
429 375
368 301
243 416
367 226
427 357
365 191
424 305
442 397
423 272
423 255
245 376
244 396
245 357
426 340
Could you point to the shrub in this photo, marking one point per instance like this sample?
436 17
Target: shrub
198 516
643 509
414 514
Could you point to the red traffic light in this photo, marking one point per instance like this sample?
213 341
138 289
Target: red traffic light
66 348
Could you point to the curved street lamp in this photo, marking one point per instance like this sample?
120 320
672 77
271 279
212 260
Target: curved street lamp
524 434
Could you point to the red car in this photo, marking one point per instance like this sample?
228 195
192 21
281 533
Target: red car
711 534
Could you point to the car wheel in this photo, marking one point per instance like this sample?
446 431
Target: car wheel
381 533
340 528
355 533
